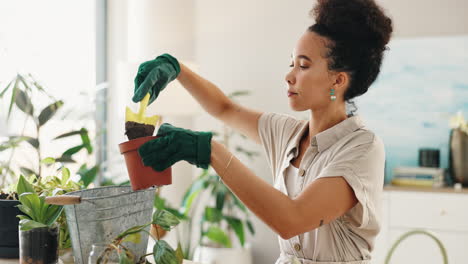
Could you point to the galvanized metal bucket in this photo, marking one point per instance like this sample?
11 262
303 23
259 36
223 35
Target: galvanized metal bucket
104 213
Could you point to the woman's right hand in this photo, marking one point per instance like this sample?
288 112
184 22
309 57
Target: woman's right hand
154 75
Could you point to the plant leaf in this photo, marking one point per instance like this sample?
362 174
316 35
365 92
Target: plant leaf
88 175
165 219
179 253
176 213
24 186
27 171
23 102
48 112
26 210
250 227
238 227
213 215
32 201
32 141
13 97
199 184
220 197
65 159
123 258
134 238
48 161
73 150
159 203
131 230
86 141
21 217
52 214
217 235
6 89
164 254
12 142
238 203
27 224
69 134
65 175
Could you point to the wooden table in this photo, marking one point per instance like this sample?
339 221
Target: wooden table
16 261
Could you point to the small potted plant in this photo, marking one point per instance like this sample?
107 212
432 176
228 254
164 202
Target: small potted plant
139 130
39 235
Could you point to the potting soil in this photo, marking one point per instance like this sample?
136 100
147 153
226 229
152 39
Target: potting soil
136 130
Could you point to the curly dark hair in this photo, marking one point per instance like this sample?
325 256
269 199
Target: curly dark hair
357 32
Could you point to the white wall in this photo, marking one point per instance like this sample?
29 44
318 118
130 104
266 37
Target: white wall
246 44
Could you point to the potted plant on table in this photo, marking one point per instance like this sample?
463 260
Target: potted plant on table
139 130
23 89
39 236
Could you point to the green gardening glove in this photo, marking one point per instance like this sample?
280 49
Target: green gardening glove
175 144
154 75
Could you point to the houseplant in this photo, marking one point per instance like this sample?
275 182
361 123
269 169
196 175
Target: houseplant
38 233
60 183
224 218
139 130
23 89
162 253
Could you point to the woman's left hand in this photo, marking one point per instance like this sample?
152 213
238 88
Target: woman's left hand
175 144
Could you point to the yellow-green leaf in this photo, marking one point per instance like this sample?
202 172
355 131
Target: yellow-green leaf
48 161
134 238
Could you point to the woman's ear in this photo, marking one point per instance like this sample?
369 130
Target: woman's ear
341 81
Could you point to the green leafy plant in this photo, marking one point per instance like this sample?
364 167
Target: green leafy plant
23 90
52 185
36 212
162 253
58 183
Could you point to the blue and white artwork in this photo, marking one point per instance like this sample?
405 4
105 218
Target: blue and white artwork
423 82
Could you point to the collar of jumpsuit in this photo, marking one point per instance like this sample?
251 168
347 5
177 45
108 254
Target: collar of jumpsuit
347 149
326 138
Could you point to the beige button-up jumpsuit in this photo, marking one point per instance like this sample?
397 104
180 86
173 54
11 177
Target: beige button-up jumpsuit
348 150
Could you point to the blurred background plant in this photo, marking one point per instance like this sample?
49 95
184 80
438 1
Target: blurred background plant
23 90
458 122
49 176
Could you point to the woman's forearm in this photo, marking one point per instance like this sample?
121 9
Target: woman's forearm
268 203
208 95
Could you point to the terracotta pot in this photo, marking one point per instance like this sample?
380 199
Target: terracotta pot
141 176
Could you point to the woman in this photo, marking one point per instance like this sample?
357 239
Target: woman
328 171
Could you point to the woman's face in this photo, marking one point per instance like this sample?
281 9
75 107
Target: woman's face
309 78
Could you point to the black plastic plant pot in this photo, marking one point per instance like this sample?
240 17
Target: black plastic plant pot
9 244
39 245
